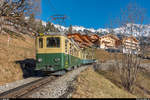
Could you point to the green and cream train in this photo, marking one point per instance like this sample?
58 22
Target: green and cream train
55 52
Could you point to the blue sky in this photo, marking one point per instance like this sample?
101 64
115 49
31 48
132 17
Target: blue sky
88 13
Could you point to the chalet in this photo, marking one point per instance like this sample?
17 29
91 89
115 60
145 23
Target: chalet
130 45
86 39
95 40
109 42
82 41
76 37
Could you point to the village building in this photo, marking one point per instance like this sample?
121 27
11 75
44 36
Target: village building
109 41
82 41
86 39
95 40
130 45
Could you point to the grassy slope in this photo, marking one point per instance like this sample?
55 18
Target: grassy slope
17 50
142 86
93 85
103 84
142 89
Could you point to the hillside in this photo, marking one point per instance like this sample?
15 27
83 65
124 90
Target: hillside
18 50
105 82
90 84
102 31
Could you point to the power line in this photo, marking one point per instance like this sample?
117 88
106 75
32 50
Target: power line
57 17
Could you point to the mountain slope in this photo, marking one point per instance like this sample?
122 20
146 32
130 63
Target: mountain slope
102 31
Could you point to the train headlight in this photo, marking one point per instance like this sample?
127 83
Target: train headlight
57 59
39 60
52 69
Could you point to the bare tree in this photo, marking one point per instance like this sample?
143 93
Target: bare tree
13 12
131 21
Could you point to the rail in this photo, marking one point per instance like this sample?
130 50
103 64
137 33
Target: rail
25 90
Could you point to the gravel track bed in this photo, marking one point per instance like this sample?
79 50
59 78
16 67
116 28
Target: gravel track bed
8 86
60 86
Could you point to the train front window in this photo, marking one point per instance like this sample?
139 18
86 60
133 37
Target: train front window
53 42
40 42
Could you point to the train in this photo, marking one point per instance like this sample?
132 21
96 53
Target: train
55 52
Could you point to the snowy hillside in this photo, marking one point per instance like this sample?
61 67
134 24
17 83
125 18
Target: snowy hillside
101 31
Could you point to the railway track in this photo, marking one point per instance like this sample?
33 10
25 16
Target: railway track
25 90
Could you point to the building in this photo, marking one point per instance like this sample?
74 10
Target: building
95 40
130 45
82 40
86 39
109 42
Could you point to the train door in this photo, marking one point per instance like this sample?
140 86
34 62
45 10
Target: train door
40 48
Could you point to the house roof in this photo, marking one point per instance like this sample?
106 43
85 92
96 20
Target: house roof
86 39
110 35
83 40
76 36
94 36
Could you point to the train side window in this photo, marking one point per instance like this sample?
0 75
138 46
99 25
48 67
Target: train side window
40 42
66 42
70 51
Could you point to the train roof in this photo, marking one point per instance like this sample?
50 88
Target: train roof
58 34
53 33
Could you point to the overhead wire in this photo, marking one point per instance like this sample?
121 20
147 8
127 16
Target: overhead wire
57 13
